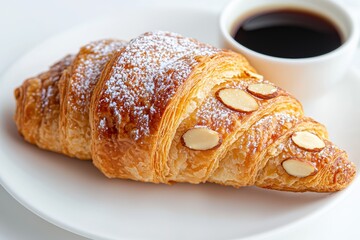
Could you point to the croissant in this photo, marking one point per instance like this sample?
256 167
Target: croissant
168 109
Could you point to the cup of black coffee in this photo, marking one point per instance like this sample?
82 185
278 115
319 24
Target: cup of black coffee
303 46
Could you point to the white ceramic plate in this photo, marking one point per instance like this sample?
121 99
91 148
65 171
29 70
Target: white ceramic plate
73 195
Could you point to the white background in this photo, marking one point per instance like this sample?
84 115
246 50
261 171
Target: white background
24 24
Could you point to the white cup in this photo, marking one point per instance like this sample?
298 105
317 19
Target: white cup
304 78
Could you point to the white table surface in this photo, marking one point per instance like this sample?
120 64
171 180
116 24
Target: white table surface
25 24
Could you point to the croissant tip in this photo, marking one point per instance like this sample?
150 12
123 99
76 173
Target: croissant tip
341 174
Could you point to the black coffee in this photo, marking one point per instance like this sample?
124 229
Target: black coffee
289 33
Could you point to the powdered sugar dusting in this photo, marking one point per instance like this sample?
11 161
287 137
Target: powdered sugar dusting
102 123
170 77
50 79
268 129
213 113
87 69
281 117
131 87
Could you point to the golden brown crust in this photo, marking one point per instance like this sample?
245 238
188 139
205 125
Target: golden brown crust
330 175
161 85
37 107
53 108
76 86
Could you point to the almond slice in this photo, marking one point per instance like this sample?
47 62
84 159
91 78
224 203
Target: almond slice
201 138
237 99
298 168
308 141
263 90
252 74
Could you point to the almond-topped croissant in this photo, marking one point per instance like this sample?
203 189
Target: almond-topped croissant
167 109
